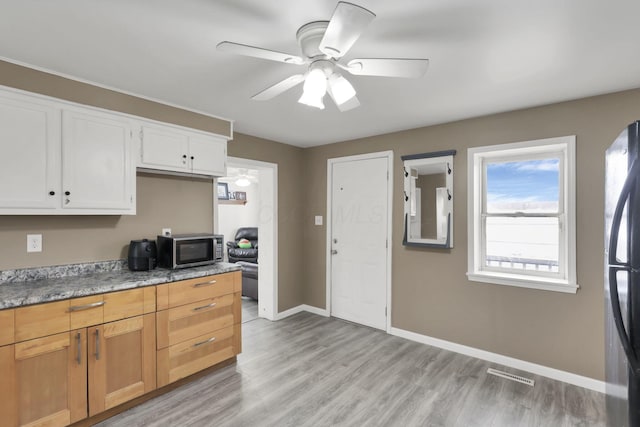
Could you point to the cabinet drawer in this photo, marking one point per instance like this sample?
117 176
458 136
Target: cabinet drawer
41 320
192 290
124 304
191 320
86 311
189 357
7 327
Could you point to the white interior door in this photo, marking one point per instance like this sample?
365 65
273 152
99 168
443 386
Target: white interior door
359 232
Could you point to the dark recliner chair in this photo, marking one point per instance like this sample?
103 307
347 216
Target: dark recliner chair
239 254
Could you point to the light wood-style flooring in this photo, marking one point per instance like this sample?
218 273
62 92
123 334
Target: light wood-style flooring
249 309
308 370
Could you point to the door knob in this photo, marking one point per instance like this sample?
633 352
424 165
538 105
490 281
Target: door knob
334 252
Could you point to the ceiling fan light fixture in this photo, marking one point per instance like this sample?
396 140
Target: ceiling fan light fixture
314 89
341 90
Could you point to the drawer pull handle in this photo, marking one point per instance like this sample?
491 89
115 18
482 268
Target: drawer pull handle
213 304
198 344
79 340
210 282
87 306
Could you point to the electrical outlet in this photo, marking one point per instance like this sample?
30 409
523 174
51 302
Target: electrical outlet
34 242
318 219
166 232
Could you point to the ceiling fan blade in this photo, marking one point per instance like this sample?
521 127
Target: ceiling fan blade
258 52
347 23
279 88
388 67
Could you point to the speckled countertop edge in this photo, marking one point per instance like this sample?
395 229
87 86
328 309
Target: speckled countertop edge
26 292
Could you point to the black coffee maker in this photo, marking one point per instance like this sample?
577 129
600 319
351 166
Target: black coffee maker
143 255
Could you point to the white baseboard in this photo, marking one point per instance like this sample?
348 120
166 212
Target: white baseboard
301 308
545 371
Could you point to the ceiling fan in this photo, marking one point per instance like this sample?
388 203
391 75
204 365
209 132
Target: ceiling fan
323 44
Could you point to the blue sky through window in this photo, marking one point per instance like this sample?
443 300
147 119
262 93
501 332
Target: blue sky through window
527 186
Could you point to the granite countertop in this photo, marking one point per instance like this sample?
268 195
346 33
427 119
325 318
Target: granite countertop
34 286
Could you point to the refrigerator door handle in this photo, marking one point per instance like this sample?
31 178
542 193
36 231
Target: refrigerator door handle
616 266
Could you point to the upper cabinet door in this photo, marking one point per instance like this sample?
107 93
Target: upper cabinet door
164 148
174 149
98 172
29 155
208 155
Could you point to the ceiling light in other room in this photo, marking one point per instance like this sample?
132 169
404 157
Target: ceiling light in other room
341 89
314 89
242 182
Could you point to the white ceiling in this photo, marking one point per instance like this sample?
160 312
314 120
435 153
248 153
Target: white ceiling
485 56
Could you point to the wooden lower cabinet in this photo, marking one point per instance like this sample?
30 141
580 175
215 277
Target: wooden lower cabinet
44 381
122 361
64 361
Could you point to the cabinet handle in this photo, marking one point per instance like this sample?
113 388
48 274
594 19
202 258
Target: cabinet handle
210 282
97 344
67 193
86 306
52 193
198 344
79 340
213 304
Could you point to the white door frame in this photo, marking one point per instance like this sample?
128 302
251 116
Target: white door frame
267 233
330 162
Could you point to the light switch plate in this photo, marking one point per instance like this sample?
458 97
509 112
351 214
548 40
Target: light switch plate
318 219
34 242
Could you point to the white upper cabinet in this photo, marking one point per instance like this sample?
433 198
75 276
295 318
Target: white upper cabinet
173 149
98 170
57 158
208 155
29 155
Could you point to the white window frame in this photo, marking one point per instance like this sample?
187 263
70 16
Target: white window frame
477 157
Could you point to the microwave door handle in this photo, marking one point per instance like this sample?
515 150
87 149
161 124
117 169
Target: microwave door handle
615 266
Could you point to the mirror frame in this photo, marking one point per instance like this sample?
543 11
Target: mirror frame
434 158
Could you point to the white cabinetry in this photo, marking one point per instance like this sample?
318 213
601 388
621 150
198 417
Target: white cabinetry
29 155
174 149
59 159
97 167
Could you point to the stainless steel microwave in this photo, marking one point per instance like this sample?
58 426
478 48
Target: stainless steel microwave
189 250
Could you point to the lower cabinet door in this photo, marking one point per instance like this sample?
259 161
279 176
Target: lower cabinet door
44 381
122 361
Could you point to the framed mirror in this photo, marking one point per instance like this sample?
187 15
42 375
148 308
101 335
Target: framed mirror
428 199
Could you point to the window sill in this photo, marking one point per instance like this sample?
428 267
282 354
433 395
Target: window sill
520 281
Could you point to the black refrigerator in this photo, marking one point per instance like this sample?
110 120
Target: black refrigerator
622 279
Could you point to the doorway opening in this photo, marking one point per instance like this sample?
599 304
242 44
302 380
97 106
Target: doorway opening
252 192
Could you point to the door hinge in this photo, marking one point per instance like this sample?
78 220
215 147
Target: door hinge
385 312
386 243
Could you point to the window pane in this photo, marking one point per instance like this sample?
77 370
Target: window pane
523 243
529 186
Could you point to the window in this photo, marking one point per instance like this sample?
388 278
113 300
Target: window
521 211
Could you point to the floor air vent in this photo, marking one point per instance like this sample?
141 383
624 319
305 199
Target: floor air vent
511 377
